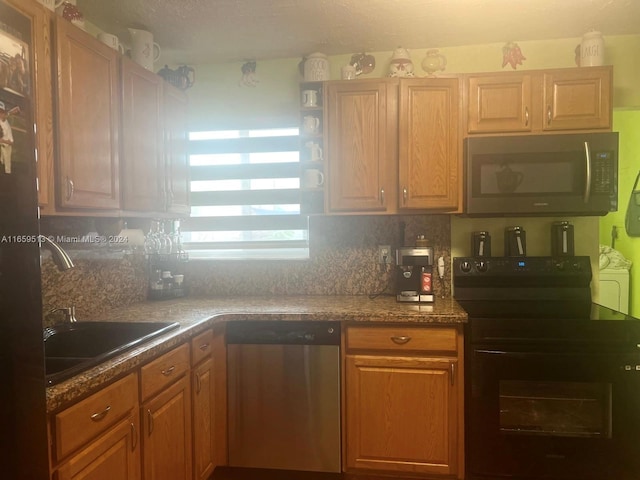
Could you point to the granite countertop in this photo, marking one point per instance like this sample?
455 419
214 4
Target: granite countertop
197 314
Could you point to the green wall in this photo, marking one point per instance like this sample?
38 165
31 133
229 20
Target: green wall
627 123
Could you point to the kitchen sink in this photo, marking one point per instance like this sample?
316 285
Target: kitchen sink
71 348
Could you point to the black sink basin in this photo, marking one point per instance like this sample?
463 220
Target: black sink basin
73 347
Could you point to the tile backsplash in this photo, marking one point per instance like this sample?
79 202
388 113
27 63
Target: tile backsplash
343 261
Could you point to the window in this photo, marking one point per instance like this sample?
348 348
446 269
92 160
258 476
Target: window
245 195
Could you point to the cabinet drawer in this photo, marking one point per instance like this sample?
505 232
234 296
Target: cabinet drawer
164 370
201 346
82 422
441 339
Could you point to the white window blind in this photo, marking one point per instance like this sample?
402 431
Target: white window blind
245 195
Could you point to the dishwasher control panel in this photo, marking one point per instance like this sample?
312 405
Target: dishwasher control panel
284 332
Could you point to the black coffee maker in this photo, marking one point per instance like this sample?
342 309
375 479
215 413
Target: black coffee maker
414 279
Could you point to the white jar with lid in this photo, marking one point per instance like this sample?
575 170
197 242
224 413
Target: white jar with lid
592 50
316 68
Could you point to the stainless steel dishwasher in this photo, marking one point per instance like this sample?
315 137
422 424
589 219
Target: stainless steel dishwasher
284 395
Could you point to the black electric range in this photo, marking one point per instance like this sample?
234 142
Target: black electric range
552 380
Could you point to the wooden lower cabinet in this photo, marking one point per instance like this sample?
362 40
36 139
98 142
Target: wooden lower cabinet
166 433
403 400
114 455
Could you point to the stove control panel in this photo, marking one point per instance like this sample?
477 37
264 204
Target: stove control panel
521 271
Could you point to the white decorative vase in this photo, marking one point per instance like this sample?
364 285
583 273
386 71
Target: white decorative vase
316 68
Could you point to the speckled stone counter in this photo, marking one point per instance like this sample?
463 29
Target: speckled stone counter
197 314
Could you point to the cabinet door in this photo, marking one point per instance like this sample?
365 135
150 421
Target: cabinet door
429 155
166 440
115 455
578 98
362 131
402 414
499 103
143 169
88 120
177 159
203 420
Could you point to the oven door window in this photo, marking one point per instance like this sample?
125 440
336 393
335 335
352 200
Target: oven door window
555 409
552 415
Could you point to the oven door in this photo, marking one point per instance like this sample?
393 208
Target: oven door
553 415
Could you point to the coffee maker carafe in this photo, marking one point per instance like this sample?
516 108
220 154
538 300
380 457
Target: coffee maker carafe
414 280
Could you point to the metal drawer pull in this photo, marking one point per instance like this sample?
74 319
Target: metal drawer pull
96 417
204 346
198 384
150 418
400 339
169 370
453 374
134 437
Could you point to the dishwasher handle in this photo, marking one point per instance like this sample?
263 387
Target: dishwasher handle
286 332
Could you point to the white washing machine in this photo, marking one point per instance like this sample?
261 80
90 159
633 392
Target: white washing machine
614 289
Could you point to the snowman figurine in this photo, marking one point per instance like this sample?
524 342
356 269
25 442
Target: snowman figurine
401 64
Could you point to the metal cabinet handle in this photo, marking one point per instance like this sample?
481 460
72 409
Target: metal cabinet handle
150 419
526 116
400 339
198 383
204 346
452 367
134 437
70 188
548 114
405 194
96 417
382 196
168 371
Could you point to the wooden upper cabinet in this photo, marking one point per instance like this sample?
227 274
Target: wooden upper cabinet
429 144
88 91
578 98
540 101
362 130
176 152
143 163
499 103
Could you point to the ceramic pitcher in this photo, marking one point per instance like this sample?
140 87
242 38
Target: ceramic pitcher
144 51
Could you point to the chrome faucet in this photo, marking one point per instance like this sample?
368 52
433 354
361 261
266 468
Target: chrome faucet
60 257
69 313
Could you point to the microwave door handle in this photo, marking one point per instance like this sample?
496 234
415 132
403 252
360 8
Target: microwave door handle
587 186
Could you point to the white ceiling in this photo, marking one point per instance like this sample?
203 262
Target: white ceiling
213 31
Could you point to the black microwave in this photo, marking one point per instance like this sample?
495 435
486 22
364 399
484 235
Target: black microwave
565 174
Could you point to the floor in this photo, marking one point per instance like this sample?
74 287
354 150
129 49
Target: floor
228 473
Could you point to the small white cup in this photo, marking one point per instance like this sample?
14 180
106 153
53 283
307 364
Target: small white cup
315 151
348 72
111 40
310 124
312 178
310 98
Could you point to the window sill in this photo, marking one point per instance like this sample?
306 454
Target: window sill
251 254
